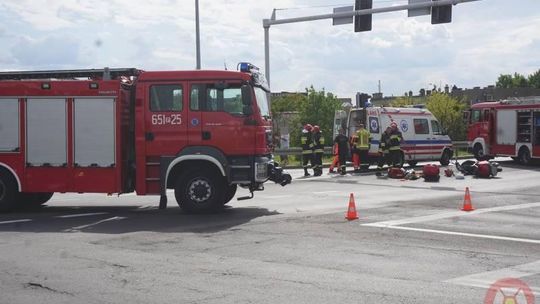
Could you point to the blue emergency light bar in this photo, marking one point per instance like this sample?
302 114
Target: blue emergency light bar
247 67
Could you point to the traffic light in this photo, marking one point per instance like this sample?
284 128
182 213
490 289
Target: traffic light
361 99
441 14
362 23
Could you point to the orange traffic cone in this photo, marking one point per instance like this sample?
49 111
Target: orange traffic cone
467 204
351 211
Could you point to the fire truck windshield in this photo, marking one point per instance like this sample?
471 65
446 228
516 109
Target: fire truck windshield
262 102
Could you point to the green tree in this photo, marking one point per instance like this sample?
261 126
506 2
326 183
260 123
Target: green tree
519 81
287 103
534 79
448 111
318 109
402 101
505 81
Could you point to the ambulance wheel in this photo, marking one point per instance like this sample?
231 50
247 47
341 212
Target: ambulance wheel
445 158
230 192
35 199
8 192
200 191
524 156
412 163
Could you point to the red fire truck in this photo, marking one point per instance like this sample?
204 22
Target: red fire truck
201 133
505 128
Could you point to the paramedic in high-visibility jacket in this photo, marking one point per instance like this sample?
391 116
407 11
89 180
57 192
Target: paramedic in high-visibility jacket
318 150
306 140
362 145
394 145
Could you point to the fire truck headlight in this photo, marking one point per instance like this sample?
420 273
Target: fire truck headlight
261 171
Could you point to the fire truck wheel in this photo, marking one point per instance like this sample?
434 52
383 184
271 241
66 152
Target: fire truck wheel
200 191
35 199
230 192
8 192
524 156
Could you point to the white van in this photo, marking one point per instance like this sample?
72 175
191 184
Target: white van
423 138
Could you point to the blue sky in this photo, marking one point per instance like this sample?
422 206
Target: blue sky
485 39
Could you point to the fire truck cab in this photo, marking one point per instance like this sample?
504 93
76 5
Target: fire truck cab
505 128
201 133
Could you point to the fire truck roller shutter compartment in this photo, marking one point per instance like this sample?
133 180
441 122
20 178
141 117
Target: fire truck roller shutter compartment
506 133
46 133
94 138
9 125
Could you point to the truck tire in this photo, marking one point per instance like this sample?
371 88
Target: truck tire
200 191
35 199
524 156
445 158
478 152
8 192
230 192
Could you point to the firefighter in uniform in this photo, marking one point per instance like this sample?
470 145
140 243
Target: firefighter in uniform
306 140
318 150
383 151
394 142
343 150
363 143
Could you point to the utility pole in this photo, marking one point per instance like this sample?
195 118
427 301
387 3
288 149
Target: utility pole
197 34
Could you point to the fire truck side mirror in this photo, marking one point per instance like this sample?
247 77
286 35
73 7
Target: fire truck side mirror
247 110
247 100
246 95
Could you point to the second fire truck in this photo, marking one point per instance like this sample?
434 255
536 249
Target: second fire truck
505 128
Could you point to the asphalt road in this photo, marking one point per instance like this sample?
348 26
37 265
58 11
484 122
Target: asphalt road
411 244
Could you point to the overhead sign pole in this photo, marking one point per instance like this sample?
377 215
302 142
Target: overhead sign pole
344 15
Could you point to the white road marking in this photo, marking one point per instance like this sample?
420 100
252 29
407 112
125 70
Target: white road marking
80 215
16 221
485 279
115 218
450 214
484 236
274 196
396 224
328 192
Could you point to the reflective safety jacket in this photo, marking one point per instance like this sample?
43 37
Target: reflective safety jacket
318 142
395 140
306 140
363 139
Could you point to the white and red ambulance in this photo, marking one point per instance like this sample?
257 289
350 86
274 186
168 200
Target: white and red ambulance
423 137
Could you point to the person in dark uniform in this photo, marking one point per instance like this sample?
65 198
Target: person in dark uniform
394 145
383 151
343 150
318 150
306 140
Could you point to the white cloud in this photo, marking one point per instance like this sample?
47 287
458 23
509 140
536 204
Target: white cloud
486 38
